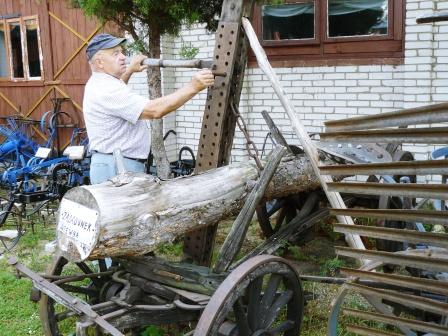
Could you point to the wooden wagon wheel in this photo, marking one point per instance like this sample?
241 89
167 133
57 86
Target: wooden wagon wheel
11 230
76 279
262 296
272 216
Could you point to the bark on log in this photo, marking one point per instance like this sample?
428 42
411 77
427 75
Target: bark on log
132 213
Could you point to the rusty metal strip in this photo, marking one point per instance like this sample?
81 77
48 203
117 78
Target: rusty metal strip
414 116
218 123
422 284
73 31
426 167
410 236
431 191
403 258
398 321
424 216
434 135
364 331
77 51
217 104
10 103
414 301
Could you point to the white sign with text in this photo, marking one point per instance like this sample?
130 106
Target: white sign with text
76 223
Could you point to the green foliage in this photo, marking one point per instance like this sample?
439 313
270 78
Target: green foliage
331 267
296 253
18 315
146 19
187 51
174 249
153 331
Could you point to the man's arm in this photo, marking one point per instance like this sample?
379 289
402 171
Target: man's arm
134 66
157 108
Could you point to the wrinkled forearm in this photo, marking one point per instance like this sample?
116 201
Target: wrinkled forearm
159 107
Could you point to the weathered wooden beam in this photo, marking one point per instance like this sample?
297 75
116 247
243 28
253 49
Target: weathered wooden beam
132 213
310 149
236 236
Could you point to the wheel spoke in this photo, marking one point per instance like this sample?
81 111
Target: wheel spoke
275 309
102 265
244 300
241 319
4 244
254 293
86 269
83 267
269 296
59 317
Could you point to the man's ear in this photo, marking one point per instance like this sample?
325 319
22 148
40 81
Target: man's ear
98 62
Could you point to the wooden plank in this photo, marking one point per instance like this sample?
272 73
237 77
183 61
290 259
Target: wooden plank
237 234
311 151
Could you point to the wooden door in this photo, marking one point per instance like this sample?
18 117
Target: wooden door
63 33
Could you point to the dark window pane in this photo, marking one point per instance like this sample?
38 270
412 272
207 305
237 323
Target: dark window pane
16 50
4 68
32 43
288 22
357 17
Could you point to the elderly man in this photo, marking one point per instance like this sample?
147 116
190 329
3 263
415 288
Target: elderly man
115 116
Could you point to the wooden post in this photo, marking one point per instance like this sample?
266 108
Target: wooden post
334 198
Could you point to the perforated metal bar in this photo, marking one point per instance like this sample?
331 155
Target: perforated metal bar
218 125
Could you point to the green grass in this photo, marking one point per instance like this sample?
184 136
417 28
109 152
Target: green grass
18 315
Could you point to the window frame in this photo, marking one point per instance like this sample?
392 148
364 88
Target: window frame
376 49
22 23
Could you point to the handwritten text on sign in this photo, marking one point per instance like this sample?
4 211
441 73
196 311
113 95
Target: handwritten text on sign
77 222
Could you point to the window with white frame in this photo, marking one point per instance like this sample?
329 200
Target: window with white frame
20 49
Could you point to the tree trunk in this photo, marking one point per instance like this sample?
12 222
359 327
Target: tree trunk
133 213
155 91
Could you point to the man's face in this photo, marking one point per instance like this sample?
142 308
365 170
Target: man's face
112 61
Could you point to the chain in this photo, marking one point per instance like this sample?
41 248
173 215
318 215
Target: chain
250 145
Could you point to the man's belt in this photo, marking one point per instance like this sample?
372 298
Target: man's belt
138 160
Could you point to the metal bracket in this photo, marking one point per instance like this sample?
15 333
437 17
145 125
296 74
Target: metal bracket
59 295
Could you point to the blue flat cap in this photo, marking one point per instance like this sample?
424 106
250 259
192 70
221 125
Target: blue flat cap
102 41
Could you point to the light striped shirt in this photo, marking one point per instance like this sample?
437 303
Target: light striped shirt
111 113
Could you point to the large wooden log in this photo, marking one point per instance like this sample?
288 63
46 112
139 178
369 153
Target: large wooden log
132 213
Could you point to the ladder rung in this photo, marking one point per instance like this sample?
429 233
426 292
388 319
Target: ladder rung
433 135
428 167
407 300
364 331
420 284
398 321
431 191
423 216
428 114
409 236
403 258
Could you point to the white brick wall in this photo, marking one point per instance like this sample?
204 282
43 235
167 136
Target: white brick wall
320 93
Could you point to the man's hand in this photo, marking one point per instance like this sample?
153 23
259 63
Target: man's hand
203 79
136 64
